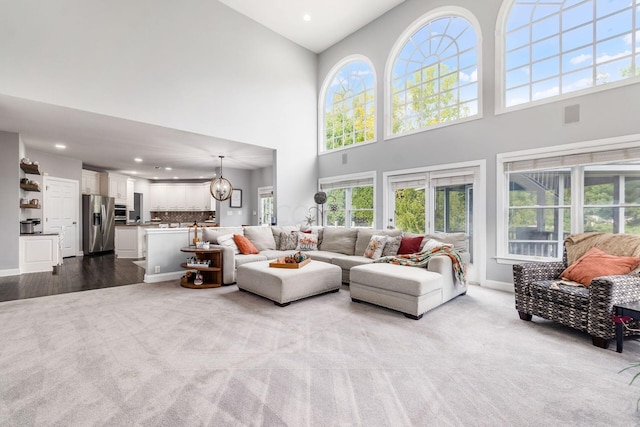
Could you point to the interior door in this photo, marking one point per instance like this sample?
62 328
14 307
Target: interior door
60 210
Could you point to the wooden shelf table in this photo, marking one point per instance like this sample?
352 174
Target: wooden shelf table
211 275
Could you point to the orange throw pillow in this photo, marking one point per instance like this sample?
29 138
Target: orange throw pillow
245 245
596 263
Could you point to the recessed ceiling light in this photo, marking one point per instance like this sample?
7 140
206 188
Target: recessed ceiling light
137 160
306 17
134 173
60 146
167 168
175 177
155 177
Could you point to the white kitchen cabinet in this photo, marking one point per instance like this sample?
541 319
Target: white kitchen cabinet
180 197
130 241
176 197
114 185
39 253
194 198
90 182
130 198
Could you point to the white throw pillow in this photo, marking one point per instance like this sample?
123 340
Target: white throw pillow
227 240
375 246
433 243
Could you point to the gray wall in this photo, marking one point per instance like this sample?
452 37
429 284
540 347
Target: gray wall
604 114
193 65
10 196
228 216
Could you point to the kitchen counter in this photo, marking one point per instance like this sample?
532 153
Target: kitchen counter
38 233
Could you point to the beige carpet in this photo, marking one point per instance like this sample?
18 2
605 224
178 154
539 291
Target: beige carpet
159 354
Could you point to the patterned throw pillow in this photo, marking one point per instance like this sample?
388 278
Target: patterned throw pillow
375 247
307 242
244 245
227 240
287 241
391 246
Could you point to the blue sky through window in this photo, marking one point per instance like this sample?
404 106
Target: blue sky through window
554 47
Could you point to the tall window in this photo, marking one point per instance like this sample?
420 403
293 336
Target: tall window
349 202
349 106
549 198
434 75
557 47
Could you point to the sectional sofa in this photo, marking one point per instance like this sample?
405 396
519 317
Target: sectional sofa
344 247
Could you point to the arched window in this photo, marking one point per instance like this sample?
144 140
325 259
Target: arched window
348 104
555 48
434 72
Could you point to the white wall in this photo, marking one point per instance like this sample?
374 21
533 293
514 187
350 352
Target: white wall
194 65
604 114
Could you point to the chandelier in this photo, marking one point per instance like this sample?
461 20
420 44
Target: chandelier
221 188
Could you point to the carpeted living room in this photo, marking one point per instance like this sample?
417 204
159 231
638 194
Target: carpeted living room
160 354
511 123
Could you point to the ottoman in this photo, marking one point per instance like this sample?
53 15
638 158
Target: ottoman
283 285
410 290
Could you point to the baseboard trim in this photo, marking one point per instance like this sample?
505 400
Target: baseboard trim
10 272
162 277
499 286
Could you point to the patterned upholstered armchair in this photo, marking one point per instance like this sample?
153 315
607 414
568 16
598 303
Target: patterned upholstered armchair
538 290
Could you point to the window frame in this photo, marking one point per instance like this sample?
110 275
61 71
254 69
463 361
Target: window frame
441 12
337 181
322 100
594 148
500 69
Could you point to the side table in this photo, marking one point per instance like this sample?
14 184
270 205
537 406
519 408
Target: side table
631 310
211 275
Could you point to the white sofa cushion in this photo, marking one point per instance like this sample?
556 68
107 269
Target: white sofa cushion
340 240
261 237
413 281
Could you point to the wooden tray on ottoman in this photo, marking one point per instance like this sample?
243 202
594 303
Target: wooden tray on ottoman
279 263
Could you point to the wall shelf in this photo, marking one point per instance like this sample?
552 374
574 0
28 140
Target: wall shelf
30 187
30 169
29 206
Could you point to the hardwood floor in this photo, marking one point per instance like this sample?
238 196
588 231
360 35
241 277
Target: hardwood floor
75 274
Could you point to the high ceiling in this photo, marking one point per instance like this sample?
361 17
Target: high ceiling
112 144
329 21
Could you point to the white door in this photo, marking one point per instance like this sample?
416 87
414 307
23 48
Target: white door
60 210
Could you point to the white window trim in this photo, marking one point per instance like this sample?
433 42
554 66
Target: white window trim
353 177
502 194
437 13
500 107
322 98
479 169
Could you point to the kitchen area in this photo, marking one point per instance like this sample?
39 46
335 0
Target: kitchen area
114 213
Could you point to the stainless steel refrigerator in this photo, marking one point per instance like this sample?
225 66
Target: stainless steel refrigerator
98 223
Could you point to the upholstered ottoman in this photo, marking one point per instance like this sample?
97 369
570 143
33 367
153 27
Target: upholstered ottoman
283 285
410 290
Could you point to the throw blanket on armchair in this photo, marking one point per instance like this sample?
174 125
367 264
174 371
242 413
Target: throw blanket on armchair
577 245
421 259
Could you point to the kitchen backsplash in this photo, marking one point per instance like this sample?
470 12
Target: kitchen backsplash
182 216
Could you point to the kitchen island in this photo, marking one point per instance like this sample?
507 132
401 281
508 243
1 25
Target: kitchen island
130 240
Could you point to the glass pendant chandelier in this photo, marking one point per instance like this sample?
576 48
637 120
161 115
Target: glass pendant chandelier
221 188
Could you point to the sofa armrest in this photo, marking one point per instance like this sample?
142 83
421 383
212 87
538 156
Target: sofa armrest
228 264
529 272
604 293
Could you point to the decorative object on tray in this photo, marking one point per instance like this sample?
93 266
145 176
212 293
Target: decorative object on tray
297 260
